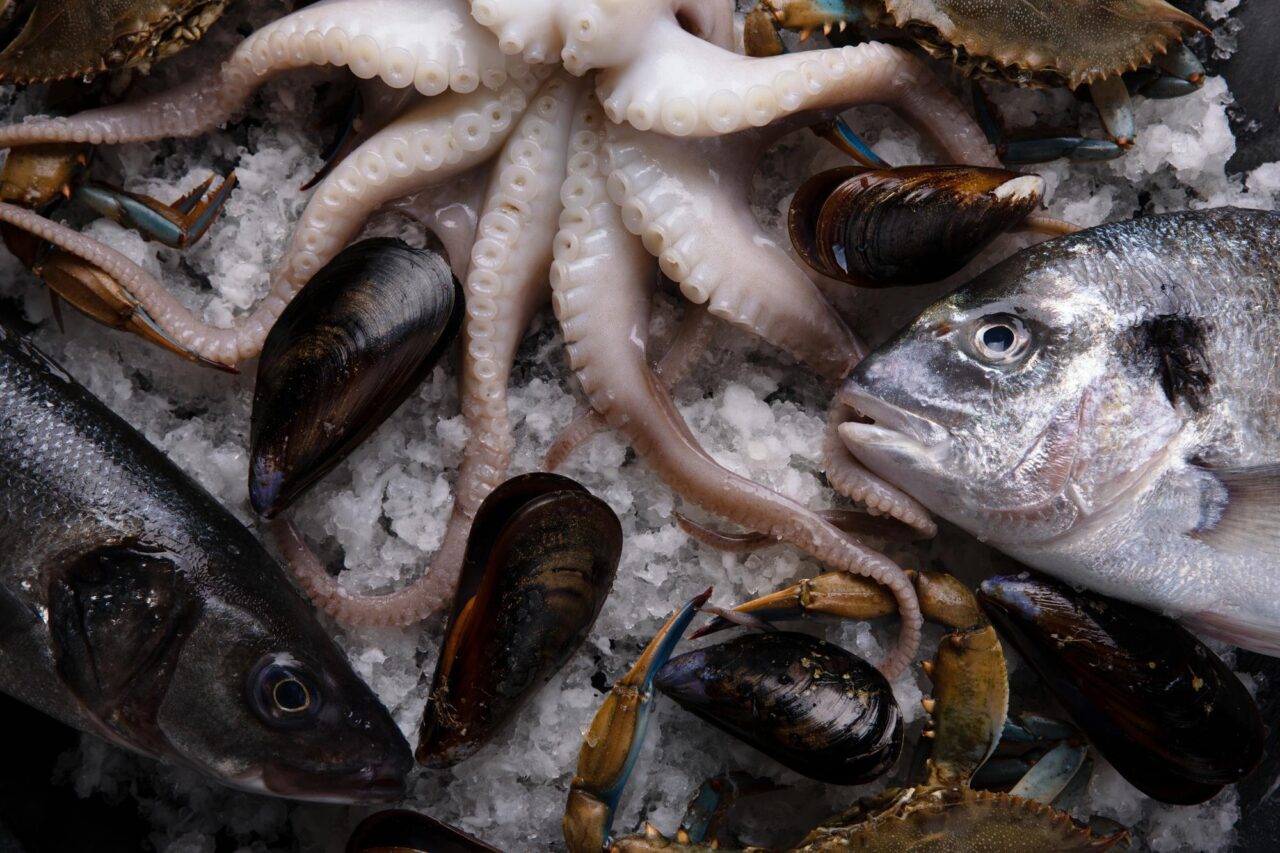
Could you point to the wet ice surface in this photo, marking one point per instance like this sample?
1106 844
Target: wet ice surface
382 512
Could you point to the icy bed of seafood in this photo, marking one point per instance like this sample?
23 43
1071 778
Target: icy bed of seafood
383 511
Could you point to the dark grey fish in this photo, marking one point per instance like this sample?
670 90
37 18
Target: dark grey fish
1105 407
133 606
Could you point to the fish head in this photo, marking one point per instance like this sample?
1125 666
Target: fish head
261 698
984 407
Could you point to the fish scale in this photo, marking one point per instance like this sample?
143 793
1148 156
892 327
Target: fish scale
1129 440
135 607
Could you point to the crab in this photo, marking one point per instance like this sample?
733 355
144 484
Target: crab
1113 48
968 713
95 35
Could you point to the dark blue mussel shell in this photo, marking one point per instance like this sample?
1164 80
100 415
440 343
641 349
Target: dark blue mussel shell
1167 713
806 703
357 341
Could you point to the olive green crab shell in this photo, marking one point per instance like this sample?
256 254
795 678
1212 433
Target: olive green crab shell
61 39
1049 40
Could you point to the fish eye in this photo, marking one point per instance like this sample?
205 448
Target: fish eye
1000 339
282 692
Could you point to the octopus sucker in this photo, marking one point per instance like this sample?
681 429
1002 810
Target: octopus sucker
602 295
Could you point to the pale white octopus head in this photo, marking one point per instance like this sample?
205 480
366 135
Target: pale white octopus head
590 34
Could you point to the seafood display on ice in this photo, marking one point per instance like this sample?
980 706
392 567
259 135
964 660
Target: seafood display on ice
722 217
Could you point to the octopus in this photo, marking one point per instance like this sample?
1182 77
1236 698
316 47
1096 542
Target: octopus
619 137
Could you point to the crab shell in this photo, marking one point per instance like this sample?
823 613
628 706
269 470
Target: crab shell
956 818
62 39
1045 42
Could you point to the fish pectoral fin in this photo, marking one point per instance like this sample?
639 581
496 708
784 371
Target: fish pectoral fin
1247 633
1249 521
118 616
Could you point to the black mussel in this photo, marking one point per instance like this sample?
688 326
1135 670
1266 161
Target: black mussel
905 225
540 560
1154 700
811 705
358 339
402 831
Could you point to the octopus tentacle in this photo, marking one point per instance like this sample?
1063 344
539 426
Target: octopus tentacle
169 315
431 47
688 345
690 204
431 143
848 477
684 86
601 295
505 287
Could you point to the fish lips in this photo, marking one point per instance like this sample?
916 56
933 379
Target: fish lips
889 432
372 783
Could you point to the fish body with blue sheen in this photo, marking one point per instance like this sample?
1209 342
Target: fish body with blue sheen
135 607
1105 407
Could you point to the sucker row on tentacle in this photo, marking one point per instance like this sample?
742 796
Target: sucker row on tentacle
602 296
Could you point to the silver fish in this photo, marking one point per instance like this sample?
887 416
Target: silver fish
1105 407
133 606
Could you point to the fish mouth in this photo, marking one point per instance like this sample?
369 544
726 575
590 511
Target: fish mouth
373 783
880 428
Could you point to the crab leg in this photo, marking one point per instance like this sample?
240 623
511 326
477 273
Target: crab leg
176 225
601 296
611 745
505 286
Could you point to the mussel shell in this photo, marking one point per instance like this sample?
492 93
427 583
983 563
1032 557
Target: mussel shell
346 352
806 703
540 561
1155 701
905 225
403 831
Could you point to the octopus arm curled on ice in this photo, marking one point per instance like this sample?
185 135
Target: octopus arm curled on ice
138 609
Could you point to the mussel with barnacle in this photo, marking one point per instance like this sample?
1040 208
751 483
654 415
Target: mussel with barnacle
909 225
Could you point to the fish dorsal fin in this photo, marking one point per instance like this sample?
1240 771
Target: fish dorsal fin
118 616
1250 519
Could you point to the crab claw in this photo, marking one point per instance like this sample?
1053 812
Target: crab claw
610 746
177 225
99 296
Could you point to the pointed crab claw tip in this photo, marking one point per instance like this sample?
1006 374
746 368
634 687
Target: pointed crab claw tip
1020 188
702 597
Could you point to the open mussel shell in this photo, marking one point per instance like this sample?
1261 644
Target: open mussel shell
402 831
351 346
905 225
540 561
1167 713
806 703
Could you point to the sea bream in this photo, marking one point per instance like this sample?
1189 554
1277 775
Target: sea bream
134 606
1105 407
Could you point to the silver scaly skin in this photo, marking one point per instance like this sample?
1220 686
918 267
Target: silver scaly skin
135 607
1105 407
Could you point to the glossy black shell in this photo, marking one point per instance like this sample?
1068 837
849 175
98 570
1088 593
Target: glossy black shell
540 561
907 225
804 702
1171 717
346 352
